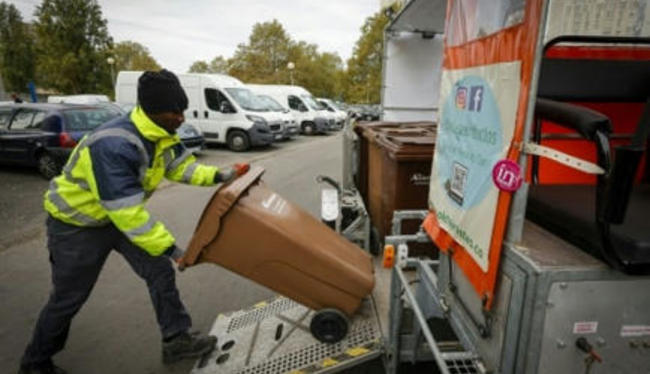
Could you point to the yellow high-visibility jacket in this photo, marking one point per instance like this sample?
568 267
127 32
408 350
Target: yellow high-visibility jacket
114 170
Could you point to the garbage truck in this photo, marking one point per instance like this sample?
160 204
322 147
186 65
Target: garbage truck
536 241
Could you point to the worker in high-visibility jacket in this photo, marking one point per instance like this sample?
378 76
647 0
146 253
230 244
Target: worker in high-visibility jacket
98 203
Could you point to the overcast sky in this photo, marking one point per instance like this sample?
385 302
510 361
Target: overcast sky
178 32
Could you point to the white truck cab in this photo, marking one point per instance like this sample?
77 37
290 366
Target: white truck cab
306 111
339 115
220 105
291 128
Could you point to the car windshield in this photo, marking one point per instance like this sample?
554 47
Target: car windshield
327 104
84 119
113 108
247 99
312 103
336 105
271 103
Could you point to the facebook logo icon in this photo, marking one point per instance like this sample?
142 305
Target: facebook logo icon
475 98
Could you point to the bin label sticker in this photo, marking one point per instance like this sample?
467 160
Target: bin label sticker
635 330
275 204
585 327
507 175
478 108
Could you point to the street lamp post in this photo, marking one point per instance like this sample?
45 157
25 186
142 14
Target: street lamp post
111 62
291 66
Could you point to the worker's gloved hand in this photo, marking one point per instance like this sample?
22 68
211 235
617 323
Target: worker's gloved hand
176 254
241 169
227 175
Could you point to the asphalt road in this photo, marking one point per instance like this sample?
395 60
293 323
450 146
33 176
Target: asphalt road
116 331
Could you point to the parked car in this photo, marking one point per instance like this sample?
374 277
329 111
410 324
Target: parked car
365 112
85 99
339 114
43 135
191 137
308 114
190 134
220 105
290 125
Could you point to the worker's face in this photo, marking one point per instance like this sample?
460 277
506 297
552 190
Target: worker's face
169 121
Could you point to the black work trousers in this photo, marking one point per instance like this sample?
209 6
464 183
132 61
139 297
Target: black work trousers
77 256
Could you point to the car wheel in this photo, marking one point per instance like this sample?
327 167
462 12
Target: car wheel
48 166
308 128
238 141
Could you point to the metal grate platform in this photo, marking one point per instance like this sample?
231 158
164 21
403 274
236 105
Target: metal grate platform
273 337
463 366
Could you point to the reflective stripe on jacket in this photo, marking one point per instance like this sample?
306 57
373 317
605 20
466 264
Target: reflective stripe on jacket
114 170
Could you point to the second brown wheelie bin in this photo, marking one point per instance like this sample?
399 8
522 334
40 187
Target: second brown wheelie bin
368 131
399 164
251 230
393 174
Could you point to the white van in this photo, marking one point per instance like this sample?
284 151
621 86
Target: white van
78 99
220 105
307 112
290 125
339 115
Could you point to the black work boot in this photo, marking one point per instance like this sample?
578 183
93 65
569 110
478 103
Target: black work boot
47 367
186 345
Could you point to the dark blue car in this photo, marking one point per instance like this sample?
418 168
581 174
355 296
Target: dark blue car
43 135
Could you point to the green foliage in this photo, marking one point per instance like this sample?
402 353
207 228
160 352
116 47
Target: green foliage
270 49
16 52
363 78
265 57
200 67
72 45
218 65
67 47
130 55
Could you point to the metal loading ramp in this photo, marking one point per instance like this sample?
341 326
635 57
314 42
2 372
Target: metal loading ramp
274 337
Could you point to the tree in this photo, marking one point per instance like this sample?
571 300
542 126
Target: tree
200 67
218 65
317 72
16 52
72 46
264 58
130 55
363 77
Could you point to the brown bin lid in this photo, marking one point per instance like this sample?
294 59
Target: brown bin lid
408 144
225 198
362 128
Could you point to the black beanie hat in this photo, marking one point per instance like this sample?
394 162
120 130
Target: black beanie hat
160 92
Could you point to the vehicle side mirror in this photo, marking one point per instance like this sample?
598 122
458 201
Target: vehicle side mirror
302 108
330 109
226 107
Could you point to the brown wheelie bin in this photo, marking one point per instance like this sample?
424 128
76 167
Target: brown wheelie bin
251 230
399 164
394 166
367 132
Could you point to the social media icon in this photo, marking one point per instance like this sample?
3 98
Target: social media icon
461 97
475 98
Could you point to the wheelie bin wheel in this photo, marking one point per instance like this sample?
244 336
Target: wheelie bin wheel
329 325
